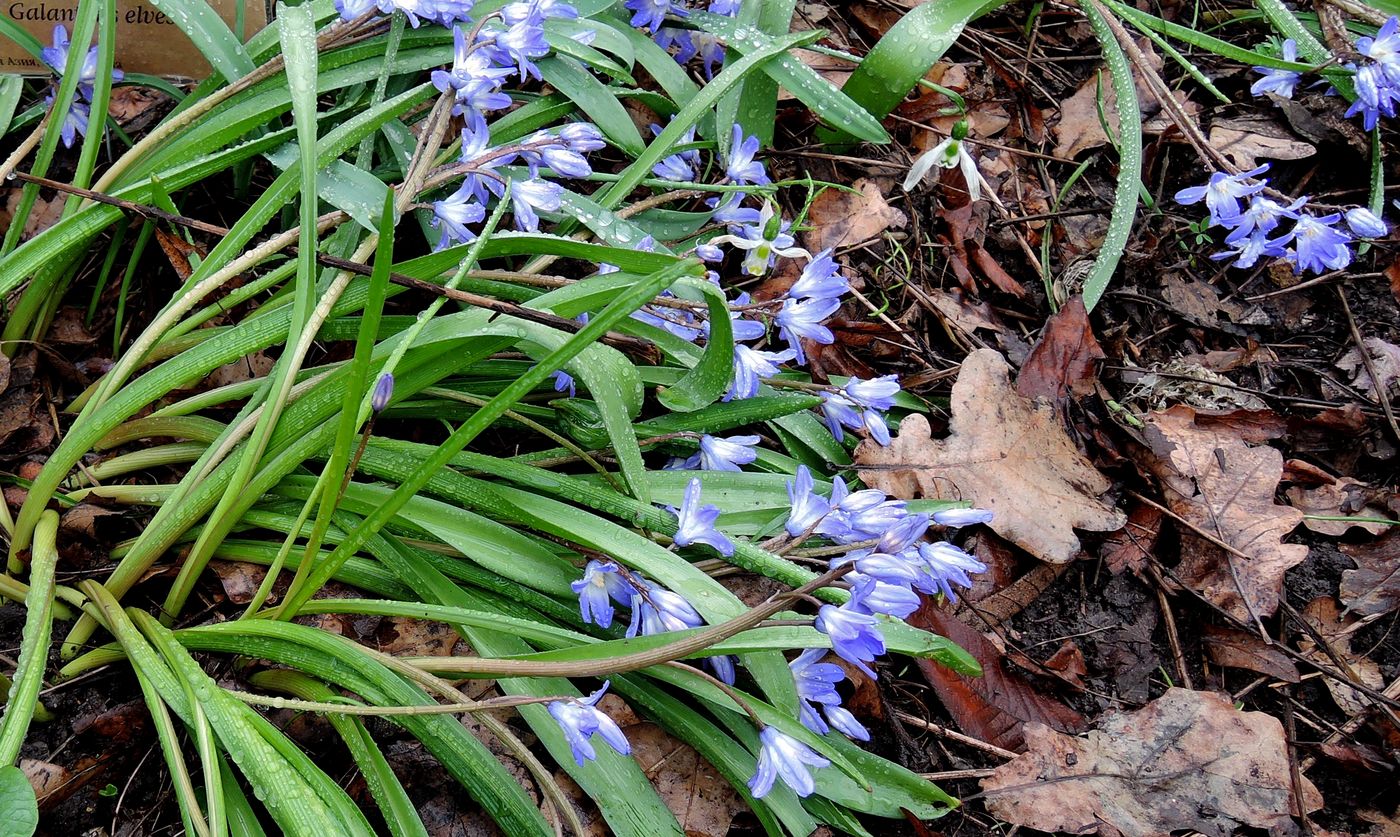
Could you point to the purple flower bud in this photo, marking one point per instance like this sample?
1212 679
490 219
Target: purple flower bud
954 518
383 391
1365 224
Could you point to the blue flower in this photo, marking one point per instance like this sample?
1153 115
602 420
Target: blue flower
1263 214
876 393
519 44
955 518
1384 48
474 80
869 513
732 213
513 13
903 534
601 585
453 213
650 14
1318 245
56 57
580 718
75 121
656 610
527 196
750 367
799 319
898 569
816 684
1375 95
563 381
582 136
351 9
1249 249
711 52
696 523
1365 224
741 167
944 565
808 507
1222 194
783 756
853 635
1280 82
383 392
821 278
718 454
871 595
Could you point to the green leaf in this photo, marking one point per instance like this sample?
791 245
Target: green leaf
210 35
708 379
594 98
826 101
1125 192
19 810
34 643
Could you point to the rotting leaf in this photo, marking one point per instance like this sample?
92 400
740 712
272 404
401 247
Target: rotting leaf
840 218
1065 359
1081 128
1005 454
1225 488
1335 629
1130 548
998 706
1233 648
1133 774
1373 588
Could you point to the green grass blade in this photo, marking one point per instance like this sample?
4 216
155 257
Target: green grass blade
34 642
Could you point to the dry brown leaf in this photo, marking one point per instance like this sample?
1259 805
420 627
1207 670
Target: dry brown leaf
1188 760
1344 498
1385 358
1080 127
1065 360
1233 648
46 778
1246 139
997 707
1373 588
1130 548
252 366
840 218
1225 487
1005 454
1335 629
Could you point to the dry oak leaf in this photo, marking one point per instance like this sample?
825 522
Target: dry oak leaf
1225 487
1344 498
1335 629
1005 453
840 218
1188 760
1373 588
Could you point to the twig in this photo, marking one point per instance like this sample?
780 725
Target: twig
952 735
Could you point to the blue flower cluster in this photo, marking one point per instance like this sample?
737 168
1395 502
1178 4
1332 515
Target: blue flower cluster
1317 243
655 610
1376 77
75 121
481 63
688 43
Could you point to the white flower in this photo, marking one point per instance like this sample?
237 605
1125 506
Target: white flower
950 153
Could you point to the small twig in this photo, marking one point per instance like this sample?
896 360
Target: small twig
1295 776
953 775
953 735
